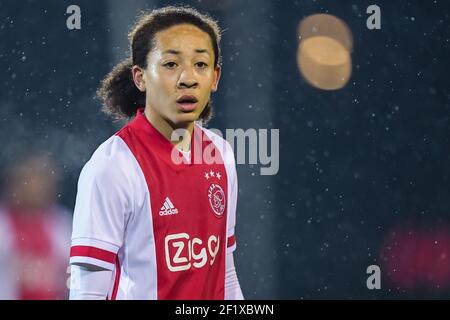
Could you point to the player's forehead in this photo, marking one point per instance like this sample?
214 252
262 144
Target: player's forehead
183 38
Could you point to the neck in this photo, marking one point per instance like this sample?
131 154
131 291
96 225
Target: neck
167 128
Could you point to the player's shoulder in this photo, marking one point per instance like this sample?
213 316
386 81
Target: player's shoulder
213 134
112 149
222 144
111 161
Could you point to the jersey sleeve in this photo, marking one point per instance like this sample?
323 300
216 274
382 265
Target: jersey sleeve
103 206
230 166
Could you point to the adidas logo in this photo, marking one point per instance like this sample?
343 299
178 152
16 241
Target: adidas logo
167 208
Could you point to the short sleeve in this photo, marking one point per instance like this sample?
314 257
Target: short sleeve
230 166
103 205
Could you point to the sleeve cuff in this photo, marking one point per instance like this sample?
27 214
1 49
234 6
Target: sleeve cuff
231 243
94 252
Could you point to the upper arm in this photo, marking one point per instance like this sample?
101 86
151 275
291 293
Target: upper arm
230 166
103 205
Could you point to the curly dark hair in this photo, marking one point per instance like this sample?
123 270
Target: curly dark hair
120 97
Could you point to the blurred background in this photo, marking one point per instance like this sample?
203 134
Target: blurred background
364 140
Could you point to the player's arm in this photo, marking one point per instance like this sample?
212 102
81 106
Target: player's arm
103 205
232 288
89 283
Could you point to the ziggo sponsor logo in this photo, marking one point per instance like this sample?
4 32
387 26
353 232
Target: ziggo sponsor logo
182 252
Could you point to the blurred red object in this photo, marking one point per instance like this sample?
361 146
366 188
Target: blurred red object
34 233
415 258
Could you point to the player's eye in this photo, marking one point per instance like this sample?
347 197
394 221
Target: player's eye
201 65
170 65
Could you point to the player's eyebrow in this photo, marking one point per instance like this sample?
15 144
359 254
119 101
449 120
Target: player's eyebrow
173 51
201 51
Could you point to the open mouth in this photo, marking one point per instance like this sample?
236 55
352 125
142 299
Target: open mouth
187 102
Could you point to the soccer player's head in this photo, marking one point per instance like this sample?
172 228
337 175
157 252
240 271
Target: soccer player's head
174 66
31 181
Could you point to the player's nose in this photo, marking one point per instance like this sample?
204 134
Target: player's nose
187 79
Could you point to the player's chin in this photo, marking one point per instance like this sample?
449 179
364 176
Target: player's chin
186 117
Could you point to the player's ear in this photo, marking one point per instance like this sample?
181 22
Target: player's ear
138 77
215 84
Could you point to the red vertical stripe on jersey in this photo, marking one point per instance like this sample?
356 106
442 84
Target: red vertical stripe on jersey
92 252
116 282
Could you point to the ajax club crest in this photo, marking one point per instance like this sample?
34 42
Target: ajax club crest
216 196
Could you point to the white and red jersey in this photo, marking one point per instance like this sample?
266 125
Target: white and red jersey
163 228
